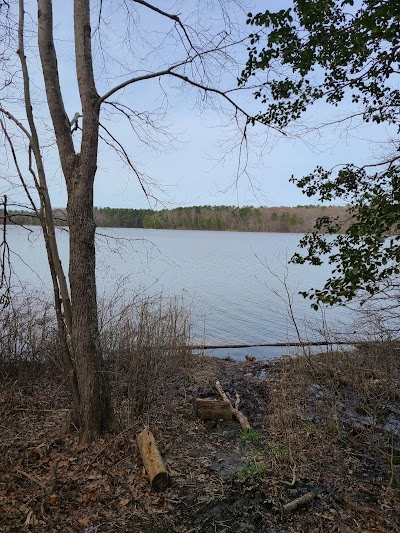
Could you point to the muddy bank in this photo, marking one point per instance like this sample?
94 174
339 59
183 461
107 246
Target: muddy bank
327 425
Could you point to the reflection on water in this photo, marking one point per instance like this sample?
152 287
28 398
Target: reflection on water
235 299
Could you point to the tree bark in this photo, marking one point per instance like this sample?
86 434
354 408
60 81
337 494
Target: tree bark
60 287
95 404
95 410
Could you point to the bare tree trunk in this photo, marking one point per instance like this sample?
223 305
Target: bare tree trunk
60 287
79 165
95 404
95 411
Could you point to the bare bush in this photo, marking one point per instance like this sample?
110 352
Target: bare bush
146 347
28 333
145 342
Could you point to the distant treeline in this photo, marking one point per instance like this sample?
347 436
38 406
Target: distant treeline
220 218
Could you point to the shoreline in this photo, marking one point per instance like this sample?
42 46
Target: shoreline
329 425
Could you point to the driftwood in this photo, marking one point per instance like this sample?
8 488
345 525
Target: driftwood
298 502
212 409
240 417
152 460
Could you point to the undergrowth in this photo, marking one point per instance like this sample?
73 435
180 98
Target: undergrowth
145 344
336 416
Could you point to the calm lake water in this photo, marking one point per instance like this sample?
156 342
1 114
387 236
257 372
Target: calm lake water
234 297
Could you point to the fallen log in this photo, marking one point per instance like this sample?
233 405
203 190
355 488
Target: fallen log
240 417
212 409
298 502
152 460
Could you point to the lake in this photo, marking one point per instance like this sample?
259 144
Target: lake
235 298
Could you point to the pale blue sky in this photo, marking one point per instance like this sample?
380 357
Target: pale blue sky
200 166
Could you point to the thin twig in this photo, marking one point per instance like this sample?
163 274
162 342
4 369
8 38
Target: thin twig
294 479
31 478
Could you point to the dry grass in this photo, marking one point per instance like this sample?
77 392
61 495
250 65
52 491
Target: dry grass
27 332
334 427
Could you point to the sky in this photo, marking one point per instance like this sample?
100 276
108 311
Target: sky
197 160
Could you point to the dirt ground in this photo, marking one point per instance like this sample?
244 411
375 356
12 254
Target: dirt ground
315 428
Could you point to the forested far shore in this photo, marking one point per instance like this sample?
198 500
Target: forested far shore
299 219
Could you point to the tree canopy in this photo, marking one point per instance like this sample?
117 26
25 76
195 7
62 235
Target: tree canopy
345 53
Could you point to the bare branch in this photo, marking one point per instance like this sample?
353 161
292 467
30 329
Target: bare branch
35 180
86 82
171 71
22 180
143 121
55 101
175 18
131 81
5 262
16 121
126 158
53 90
219 92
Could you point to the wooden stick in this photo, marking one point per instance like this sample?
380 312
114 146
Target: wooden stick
39 410
237 400
362 509
355 506
298 502
222 392
152 460
240 417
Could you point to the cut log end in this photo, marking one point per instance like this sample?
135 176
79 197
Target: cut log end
212 409
160 481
